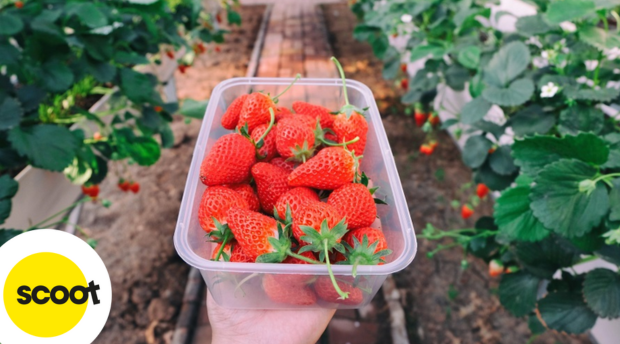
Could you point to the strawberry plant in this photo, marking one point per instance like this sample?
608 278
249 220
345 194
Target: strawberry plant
543 133
56 56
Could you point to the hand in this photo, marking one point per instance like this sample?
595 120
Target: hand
294 326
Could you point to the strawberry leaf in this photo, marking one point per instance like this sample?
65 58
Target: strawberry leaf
601 290
518 292
514 217
566 311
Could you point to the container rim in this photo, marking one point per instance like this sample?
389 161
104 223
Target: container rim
180 236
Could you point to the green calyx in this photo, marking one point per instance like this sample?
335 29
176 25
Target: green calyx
363 179
301 154
281 246
223 235
364 253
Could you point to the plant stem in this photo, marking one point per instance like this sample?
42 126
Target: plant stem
62 211
300 257
343 295
287 87
271 122
605 177
357 138
344 81
224 242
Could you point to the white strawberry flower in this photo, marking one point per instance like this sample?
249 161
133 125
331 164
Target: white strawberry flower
590 64
612 53
549 90
406 18
568 26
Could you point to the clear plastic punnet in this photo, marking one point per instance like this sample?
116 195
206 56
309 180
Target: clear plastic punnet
240 285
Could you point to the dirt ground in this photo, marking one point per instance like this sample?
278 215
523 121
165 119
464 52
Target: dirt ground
135 234
443 304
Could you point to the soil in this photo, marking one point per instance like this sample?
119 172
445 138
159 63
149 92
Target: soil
135 234
443 303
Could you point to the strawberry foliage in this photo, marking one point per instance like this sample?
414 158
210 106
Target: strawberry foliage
543 134
56 56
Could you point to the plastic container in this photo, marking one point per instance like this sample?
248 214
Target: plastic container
239 285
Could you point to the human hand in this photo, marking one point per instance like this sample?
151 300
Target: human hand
290 326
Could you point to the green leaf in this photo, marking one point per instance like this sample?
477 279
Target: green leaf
535 326
56 76
533 153
601 290
167 136
233 17
580 118
412 96
561 206
604 4
30 97
89 14
8 187
8 234
10 113
532 25
456 77
138 87
544 258
193 108
79 172
613 140
517 93
563 10
566 311
531 120
129 58
501 161
514 217
614 200
10 24
510 61
610 253
469 57
9 54
600 95
518 292
47 146
103 72
476 151
143 150
494 181
99 170
598 37
433 51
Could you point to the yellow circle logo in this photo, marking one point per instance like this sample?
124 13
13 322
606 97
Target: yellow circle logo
46 294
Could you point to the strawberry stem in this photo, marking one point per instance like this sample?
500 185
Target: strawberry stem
224 242
300 257
271 122
343 295
344 82
287 87
343 144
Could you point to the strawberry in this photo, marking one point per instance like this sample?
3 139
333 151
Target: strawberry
324 288
123 185
427 149
158 108
315 111
511 269
365 246
217 49
224 253
466 211
97 136
231 116
134 187
271 184
331 168
305 120
255 110
269 149
482 190
294 140
252 230
240 256
433 119
496 268
282 163
403 67
218 18
91 191
296 199
404 84
19 4
420 118
331 137
170 54
355 203
313 215
214 206
492 150
247 192
348 128
182 68
284 293
229 161
282 112
296 280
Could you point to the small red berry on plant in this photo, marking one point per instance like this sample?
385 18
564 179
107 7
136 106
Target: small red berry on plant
496 268
420 118
433 119
97 136
218 18
123 185
466 211
170 54
183 68
217 49
404 84
19 4
158 108
492 150
134 187
482 190
394 35
403 67
427 149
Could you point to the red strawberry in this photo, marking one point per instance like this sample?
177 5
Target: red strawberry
231 116
217 49
306 120
420 118
427 149
373 235
182 68
282 163
482 190
97 136
91 191
404 84
215 203
403 67
294 140
325 290
240 256
218 18
229 161
252 230
496 268
331 168
158 108
247 192
313 215
134 187
296 199
269 149
331 137
433 119
123 185
284 293
19 4
282 112
349 128
170 54
255 110
271 184
466 211
315 111
237 255
492 150
355 203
